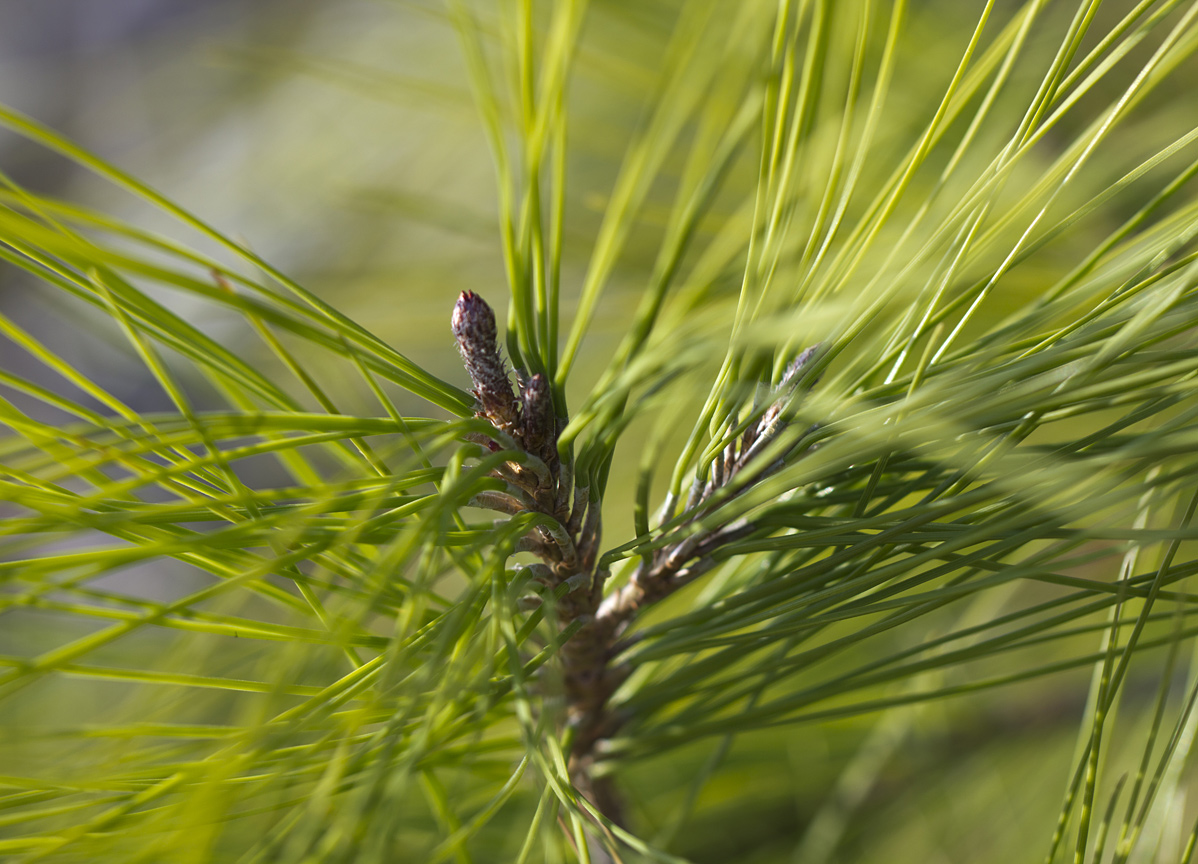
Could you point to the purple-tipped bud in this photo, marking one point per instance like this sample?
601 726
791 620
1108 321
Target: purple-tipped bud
473 321
536 421
474 328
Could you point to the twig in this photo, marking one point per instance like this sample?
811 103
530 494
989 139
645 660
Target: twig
568 542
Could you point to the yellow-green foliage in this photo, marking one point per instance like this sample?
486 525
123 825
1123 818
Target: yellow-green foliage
248 613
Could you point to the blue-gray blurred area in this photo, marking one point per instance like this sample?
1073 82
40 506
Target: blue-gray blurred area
94 70
338 139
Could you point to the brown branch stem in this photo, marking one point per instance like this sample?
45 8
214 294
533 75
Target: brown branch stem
568 543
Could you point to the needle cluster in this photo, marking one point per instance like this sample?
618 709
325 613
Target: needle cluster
524 420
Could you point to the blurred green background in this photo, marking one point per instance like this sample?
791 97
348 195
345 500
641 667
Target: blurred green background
339 139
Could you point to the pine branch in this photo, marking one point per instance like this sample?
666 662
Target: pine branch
569 551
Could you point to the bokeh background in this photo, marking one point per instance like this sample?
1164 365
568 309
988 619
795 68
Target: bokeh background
339 139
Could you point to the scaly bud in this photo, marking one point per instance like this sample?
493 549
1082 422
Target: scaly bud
797 366
786 386
474 328
759 434
536 418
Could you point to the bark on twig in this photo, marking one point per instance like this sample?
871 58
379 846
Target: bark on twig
568 544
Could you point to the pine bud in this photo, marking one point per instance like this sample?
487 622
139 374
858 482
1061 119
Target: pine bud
474 328
758 434
797 366
536 420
